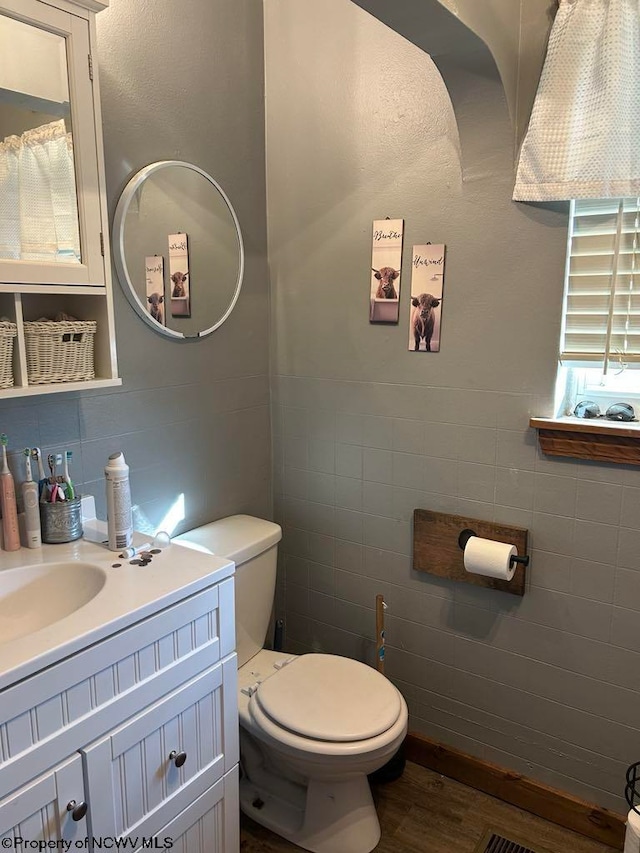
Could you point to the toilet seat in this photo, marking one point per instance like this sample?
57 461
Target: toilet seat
268 666
329 698
263 727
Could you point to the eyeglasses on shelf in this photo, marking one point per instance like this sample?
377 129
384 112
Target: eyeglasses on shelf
615 412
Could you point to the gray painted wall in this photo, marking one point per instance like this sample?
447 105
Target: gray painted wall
191 418
452 31
359 127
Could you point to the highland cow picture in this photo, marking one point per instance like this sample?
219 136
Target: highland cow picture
425 305
386 260
179 280
154 279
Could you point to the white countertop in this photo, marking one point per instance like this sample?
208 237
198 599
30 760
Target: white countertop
130 593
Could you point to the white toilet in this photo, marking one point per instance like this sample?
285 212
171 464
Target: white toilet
311 726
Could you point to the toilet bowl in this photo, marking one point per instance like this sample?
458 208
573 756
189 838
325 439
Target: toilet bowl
323 723
313 726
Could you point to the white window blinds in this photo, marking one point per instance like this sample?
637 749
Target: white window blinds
602 296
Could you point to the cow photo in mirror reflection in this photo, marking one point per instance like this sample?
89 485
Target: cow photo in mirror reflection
154 278
179 275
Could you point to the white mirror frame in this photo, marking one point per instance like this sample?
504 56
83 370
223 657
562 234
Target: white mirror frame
120 260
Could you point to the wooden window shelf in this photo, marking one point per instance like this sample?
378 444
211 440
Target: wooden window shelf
598 440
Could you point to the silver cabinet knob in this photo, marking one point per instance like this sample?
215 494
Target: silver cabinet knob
78 810
178 758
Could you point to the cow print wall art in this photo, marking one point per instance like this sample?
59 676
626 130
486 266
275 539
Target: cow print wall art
386 260
425 305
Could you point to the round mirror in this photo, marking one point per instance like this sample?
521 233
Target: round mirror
178 249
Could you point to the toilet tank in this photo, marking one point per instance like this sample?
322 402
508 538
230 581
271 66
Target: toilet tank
252 543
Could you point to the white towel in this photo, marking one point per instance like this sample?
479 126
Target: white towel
632 837
584 131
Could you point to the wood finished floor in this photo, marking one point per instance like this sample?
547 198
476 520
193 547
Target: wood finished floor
423 812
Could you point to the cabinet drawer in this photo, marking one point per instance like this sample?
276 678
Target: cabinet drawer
211 824
38 811
133 765
109 682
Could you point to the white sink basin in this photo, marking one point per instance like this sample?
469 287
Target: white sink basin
32 597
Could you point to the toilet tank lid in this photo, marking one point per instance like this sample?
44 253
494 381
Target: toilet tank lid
238 537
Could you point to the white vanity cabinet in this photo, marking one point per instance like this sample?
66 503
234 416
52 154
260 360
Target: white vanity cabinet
141 726
54 244
51 808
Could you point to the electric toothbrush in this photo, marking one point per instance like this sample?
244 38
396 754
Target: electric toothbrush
31 505
10 528
42 479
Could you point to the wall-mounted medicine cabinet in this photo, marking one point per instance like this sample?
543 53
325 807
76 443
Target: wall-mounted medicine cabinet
54 247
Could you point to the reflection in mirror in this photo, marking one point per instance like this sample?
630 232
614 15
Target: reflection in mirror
178 249
38 206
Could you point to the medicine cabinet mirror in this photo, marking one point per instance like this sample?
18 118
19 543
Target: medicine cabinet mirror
50 219
54 237
178 249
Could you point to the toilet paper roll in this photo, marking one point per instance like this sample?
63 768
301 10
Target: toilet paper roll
489 558
632 836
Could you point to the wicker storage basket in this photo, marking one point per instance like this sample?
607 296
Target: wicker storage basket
59 351
7 334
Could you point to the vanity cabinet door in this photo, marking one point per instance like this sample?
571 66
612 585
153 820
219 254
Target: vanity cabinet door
51 228
163 759
50 808
211 824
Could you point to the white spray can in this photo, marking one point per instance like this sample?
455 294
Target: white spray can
119 516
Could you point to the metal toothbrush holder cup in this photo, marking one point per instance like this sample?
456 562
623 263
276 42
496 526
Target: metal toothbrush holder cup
61 521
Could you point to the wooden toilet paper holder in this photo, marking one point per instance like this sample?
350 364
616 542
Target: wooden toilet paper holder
438 544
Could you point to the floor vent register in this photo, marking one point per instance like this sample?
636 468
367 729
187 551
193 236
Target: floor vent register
494 843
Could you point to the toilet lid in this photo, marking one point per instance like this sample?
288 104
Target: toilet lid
327 697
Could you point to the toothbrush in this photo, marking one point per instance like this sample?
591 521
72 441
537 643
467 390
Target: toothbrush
70 491
8 502
30 501
42 480
53 491
61 493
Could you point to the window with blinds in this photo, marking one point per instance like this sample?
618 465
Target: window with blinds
601 324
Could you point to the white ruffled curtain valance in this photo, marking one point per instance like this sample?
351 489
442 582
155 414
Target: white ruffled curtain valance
38 207
583 139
